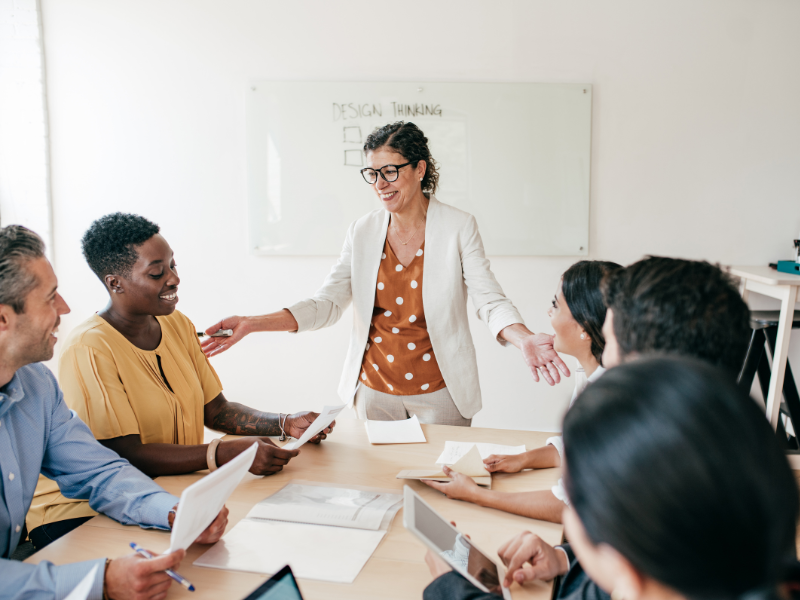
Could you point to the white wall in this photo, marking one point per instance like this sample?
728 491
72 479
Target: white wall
24 158
694 152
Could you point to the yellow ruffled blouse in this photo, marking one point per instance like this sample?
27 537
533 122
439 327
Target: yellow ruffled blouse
117 389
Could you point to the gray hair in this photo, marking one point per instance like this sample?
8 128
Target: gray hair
18 245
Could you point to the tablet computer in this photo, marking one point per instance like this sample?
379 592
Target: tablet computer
455 548
281 586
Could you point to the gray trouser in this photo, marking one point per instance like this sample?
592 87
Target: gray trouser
437 407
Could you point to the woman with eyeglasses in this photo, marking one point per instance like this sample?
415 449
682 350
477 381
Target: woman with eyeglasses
408 268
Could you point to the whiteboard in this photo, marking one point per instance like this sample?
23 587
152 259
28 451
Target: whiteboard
515 155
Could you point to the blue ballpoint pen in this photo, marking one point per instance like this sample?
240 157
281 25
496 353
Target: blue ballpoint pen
142 552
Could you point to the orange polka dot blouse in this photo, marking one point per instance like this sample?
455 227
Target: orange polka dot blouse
399 357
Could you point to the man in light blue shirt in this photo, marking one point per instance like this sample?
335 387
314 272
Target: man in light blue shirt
39 434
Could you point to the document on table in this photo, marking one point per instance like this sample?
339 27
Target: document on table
201 502
453 451
81 591
471 465
325 418
313 551
339 507
407 431
323 532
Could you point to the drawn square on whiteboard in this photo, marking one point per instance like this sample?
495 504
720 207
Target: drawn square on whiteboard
353 158
352 134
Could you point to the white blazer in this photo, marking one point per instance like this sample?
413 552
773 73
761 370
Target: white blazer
455 266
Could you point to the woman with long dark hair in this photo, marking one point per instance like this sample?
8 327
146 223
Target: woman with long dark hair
411 351
576 316
678 490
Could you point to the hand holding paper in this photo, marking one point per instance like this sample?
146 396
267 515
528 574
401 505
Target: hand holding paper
324 419
455 450
296 425
202 501
470 465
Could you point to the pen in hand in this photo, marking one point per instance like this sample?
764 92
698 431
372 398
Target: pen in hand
220 333
142 552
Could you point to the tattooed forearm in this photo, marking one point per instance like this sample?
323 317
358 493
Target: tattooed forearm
238 419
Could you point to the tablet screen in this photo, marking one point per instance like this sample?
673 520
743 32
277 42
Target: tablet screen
282 586
456 547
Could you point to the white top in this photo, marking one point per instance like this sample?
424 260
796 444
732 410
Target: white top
581 381
455 269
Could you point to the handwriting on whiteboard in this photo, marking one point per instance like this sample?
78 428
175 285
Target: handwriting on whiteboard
355 110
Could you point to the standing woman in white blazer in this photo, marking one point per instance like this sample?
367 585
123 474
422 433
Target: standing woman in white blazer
408 268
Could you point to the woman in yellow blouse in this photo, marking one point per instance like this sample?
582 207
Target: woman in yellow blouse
135 373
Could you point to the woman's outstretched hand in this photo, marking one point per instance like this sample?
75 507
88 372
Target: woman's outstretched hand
541 358
214 345
537 351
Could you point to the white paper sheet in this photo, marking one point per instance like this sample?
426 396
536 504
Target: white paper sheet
453 451
325 418
201 502
81 591
339 507
407 431
313 551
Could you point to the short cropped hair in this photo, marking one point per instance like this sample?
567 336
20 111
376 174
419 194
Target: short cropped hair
109 245
675 306
18 246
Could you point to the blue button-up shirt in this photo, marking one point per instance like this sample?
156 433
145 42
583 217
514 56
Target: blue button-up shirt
39 434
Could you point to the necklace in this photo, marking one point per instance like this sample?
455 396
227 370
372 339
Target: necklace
409 239
413 235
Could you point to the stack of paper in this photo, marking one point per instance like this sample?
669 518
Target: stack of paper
395 432
471 465
322 532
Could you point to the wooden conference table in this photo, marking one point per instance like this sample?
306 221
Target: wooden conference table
396 569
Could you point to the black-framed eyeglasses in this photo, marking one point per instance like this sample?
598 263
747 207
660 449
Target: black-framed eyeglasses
389 173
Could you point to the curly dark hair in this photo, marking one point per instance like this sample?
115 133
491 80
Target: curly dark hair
109 245
679 306
407 139
580 285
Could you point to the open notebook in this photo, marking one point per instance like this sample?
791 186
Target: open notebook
471 465
306 526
